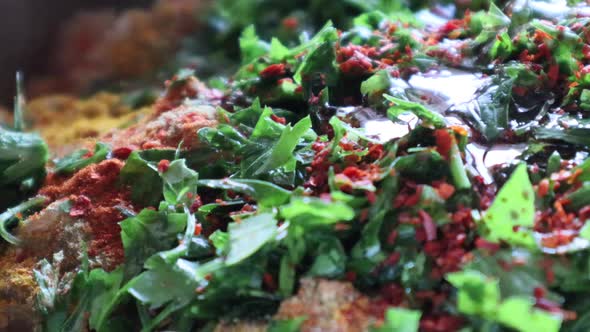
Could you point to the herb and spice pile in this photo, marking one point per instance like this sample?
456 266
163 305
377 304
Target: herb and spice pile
418 166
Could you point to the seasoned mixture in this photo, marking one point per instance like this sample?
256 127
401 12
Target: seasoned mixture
417 166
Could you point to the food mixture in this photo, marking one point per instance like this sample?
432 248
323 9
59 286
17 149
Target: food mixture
406 166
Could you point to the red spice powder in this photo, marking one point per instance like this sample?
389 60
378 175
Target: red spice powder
96 193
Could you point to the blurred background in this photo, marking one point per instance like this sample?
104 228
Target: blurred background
29 29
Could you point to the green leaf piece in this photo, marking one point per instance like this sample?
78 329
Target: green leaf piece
513 212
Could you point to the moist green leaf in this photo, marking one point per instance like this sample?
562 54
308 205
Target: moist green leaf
249 235
520 314
220 241
480 296
251 47
330 261
265 193
513 212
282 152
180 183
574 135
8 215
311 211
400 320
320 57
146 234
95 293
22 156
378 83
493 107
400 106
457 168
176 282
143 179
477 295
77 160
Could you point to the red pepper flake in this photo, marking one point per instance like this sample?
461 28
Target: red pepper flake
80 206
197 203
96 194
444 140
375 152
290 23
394 294
487 245
392 237
445 190
553 73
543 188
278 119
88 154
539 292
273 71
341 226
429 225
350 276
122 152
198 229
163 165
392 259
584 213
269 281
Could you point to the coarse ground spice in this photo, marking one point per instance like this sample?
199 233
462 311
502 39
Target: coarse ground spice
96 196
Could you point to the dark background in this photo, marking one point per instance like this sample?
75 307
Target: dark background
28 28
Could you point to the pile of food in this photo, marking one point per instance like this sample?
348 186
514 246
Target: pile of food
414 168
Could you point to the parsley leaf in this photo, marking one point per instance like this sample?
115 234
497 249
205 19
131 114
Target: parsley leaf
512 214
80 159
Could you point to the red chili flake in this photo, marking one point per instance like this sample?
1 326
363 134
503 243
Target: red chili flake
392 259
269 281
445 190
163 165
80 206
539 292
122 152
356 66
273 71
88 154
197 203
444 140
371 197
375 152
553 73
341 226
350 276
405 199
278 119
291 23
432 248
543 188
392 237
394 294
429 225
519 90
487 245
198 229
440 323
584 213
